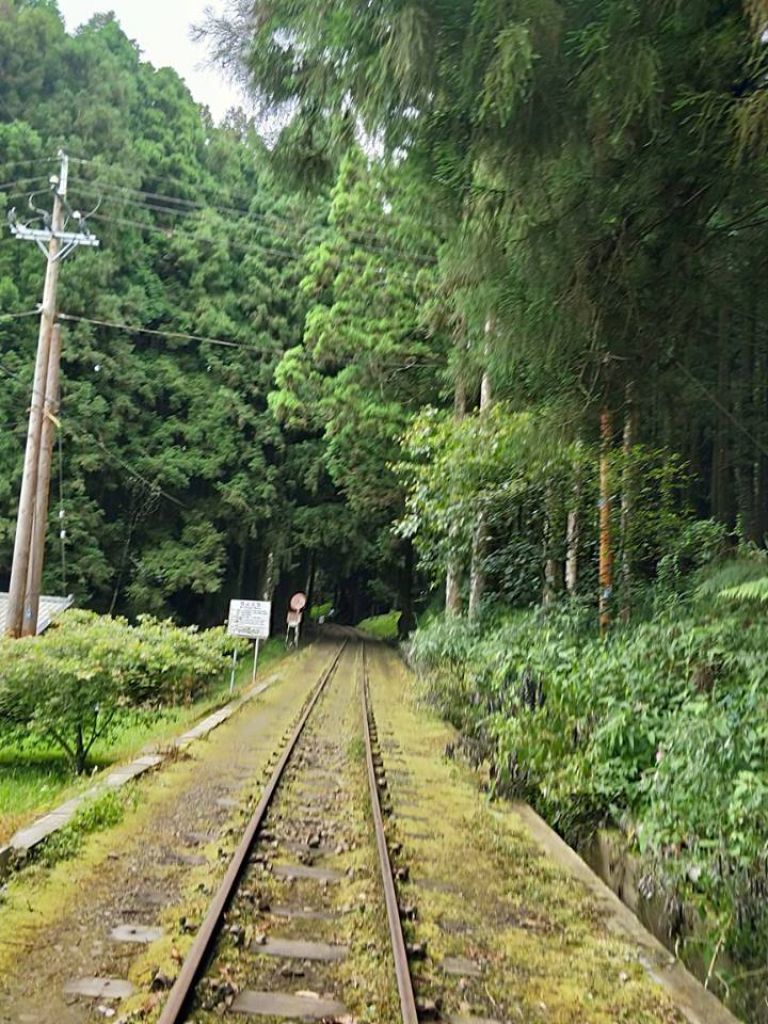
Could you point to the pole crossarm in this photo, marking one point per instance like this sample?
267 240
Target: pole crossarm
68 240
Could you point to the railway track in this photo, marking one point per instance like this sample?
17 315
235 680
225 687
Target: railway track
296 968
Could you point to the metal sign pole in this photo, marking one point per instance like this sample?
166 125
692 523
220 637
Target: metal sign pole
255 659
234 670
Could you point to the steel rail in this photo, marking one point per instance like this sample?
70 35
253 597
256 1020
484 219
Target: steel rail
399 952
198 955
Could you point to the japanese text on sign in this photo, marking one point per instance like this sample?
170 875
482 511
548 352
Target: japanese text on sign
250 619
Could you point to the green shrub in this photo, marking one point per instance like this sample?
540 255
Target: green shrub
662 729
71 685
383 627
320 611
177 666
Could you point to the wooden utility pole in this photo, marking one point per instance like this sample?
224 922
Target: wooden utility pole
56 243
40 524
23 541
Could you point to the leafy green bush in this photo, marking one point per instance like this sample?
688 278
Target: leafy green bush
71 685
320 611
175 665
383 627
741 580
662 730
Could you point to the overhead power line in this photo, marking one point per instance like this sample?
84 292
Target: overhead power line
83 435
20 183
20 316
189 207
170 232
35 162
132 329
135 329
152 485
292 254
289 254
360 240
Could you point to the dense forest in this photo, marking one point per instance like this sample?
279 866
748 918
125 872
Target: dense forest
596 173
467 322
179 485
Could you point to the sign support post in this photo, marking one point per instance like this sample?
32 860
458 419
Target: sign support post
234 672
293 620
255 658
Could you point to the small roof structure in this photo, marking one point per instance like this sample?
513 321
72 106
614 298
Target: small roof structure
50 608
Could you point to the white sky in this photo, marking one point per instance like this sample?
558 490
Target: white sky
162 30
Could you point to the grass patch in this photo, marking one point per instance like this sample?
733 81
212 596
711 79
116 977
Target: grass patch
382 627
103 812
34 778
356 749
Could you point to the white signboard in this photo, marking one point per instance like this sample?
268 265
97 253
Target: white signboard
250 619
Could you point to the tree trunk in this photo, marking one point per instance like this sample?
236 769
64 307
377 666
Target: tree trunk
477 572
719 505
572 538
761 454
454 568
605 569
123 565
553 566
79 751
453 588
480 536
241 567
268 585
745 461
406 622
309 589
628 502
